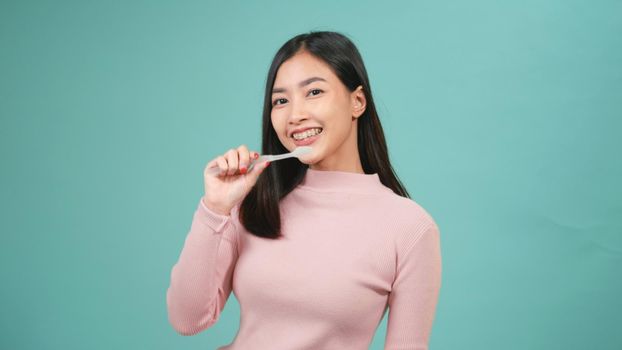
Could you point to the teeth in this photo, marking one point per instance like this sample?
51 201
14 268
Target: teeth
307 133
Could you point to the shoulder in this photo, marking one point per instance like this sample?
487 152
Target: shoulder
406 210
409 219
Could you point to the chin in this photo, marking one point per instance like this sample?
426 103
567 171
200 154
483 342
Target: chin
308 159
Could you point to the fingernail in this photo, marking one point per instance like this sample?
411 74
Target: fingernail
243 170
267 163
256 155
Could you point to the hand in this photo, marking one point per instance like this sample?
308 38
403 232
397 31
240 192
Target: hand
226 189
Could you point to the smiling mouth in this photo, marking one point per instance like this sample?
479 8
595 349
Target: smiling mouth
307 134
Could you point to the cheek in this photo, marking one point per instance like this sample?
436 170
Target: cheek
279 126
335 109
338 119
276 122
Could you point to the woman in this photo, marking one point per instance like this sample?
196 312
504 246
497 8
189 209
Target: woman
315 249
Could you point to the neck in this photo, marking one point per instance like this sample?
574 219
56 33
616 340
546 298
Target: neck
355 168
342 181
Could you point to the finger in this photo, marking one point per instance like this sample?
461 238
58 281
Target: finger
252 157
258 168
232 161
244 158
222 164
213 164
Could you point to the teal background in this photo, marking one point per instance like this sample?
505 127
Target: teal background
503 121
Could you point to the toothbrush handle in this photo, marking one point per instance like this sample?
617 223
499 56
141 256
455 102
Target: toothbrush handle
259 160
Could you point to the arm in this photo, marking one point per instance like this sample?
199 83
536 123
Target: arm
201 279
413 298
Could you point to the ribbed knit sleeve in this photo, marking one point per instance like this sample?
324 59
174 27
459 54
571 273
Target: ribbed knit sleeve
200 281
413 298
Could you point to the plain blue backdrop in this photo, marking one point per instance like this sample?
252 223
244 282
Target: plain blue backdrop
502 118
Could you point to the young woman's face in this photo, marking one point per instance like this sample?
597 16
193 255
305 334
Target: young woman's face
308 95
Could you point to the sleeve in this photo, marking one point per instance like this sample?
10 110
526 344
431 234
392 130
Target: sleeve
413 297
200 281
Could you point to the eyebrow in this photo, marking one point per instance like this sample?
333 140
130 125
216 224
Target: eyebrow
301 84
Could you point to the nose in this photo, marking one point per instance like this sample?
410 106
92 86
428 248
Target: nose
298 112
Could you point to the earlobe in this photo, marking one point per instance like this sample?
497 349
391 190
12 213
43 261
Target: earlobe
359 107
359 101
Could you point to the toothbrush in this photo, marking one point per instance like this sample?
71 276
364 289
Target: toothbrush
271 158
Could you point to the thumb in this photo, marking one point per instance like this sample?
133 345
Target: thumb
258 168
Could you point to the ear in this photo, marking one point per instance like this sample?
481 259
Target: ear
358 101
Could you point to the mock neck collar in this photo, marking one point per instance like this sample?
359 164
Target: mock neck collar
342 181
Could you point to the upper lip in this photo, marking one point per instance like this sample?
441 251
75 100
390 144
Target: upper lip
291 133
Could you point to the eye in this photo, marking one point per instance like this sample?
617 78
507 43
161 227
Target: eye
275 102
318 91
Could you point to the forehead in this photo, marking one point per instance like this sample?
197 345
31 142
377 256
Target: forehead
302 66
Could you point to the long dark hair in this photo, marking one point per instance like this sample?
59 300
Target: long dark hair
259 211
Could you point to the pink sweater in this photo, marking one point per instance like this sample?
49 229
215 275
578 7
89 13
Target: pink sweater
352 249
